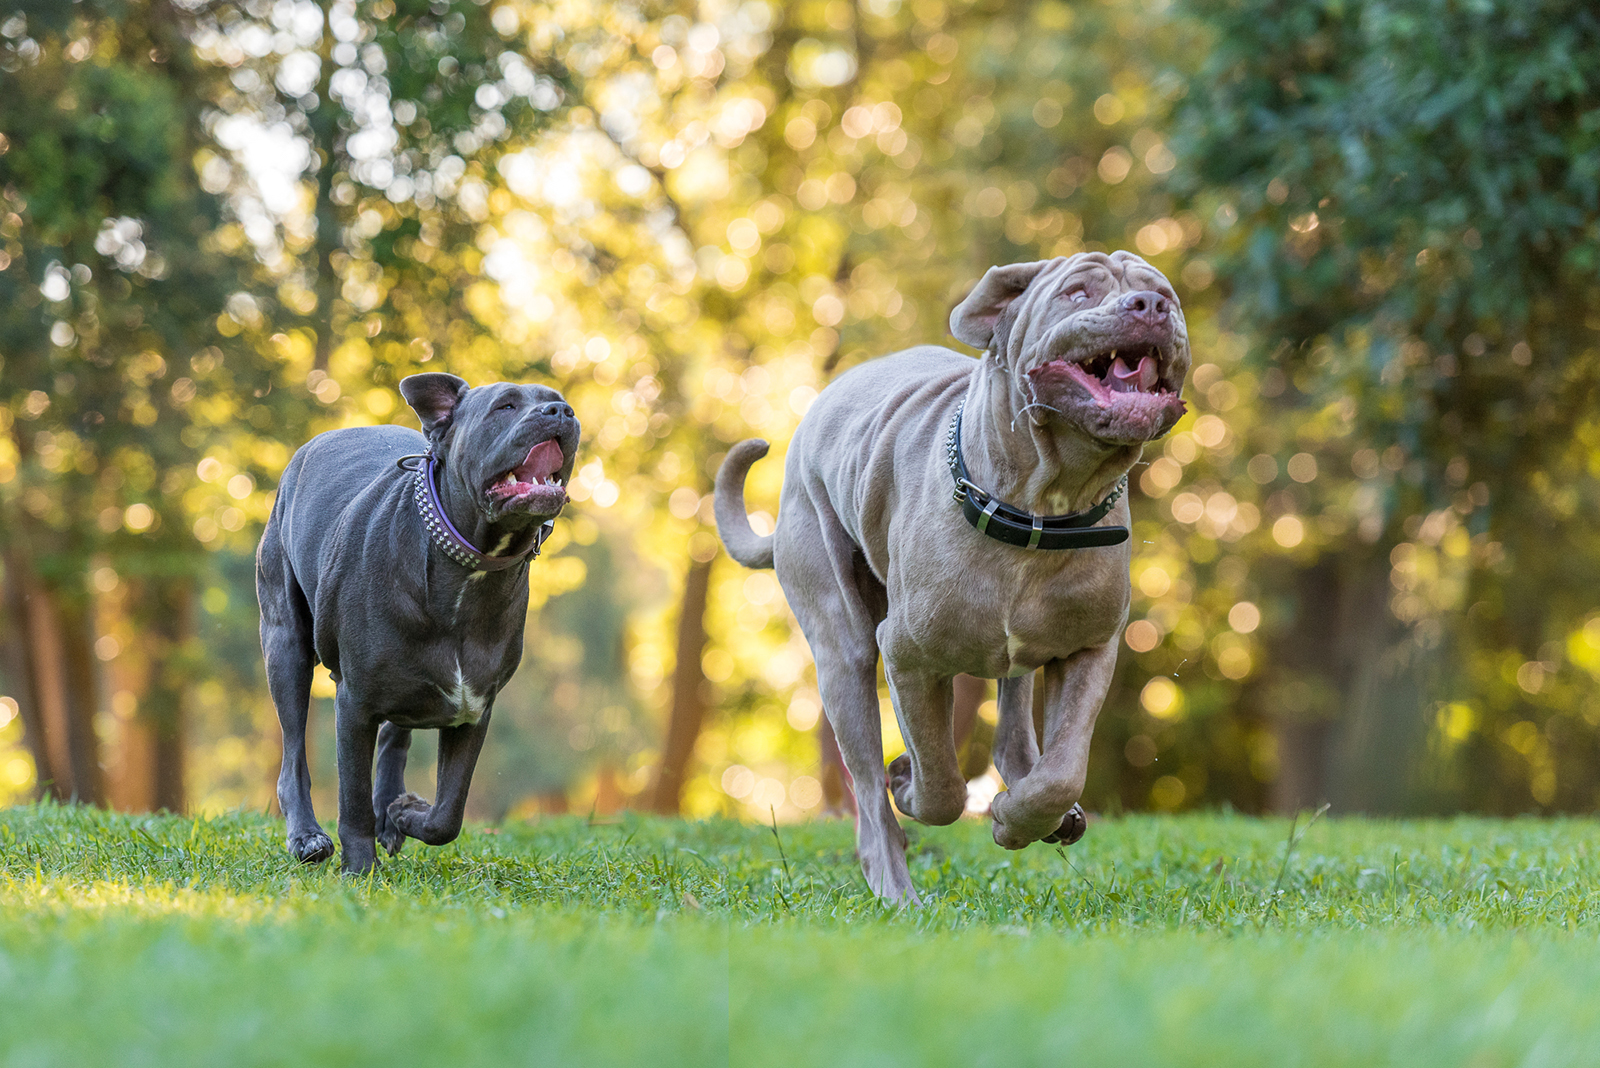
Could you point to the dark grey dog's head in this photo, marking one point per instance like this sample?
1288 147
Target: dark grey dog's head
1098 341
509 448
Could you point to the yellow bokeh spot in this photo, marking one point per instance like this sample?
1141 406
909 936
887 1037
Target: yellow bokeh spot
1244 617
1457 720
1167 793
1162 698
380 402
1154 581
1288 531
1234 662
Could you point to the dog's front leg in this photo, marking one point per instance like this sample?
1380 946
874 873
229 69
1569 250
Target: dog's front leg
440 822
394 743
358 733
926 779
1043 802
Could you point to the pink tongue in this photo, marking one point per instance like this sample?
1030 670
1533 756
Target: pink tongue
544 460
1125 379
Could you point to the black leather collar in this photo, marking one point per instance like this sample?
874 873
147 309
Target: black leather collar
443 533
996 519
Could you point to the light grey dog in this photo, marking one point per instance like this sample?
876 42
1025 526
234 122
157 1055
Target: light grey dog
960 515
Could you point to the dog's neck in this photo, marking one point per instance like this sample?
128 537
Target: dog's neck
449 584
512 534
1029 457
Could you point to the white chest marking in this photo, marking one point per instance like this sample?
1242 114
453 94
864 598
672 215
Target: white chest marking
468 705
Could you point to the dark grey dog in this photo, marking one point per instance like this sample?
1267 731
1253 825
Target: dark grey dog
406 575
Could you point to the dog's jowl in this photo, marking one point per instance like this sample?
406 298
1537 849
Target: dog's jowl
970 516
400 561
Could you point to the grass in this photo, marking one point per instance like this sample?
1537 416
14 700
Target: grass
1157 940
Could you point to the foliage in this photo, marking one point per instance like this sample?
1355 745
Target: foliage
1402 208
1200 937
1360 562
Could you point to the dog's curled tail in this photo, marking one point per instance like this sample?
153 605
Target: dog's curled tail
733 523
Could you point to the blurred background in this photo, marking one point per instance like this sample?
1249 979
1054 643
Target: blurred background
1367 564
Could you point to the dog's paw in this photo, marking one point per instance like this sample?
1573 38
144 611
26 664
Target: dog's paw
391 837
358 860
1073 826
406 815
311 847
898 777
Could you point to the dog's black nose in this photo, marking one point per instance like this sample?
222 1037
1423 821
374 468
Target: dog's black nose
556 408
1146 306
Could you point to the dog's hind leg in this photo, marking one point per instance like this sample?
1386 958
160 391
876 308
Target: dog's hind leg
286 647
358 736
1043 804
389 782
440 822
839 604
1016 748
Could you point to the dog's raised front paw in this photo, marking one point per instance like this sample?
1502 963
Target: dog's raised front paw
311 847
407 814
1073 826
391 837
898 777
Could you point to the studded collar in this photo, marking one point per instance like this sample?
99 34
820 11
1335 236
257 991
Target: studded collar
442 532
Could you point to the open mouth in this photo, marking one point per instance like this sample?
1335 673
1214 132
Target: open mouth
1132 369
1123 394
535 480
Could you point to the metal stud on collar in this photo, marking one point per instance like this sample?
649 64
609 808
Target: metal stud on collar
444 535
1003 522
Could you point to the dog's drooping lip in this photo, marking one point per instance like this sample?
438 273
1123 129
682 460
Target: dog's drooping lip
1122 393
533 484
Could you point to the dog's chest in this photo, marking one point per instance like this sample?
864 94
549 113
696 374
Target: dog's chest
466 702
1011 623
447 685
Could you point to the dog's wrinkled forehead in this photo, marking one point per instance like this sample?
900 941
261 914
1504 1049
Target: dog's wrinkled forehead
443 401
1039 295
481 401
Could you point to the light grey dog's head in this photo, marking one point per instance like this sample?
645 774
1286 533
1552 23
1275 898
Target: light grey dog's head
1093 340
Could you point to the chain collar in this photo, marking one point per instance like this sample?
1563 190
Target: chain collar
443 534
996 519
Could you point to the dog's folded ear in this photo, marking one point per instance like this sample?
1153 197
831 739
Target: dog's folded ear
974 318
433 396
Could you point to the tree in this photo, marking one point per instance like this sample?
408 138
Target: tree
1403 206
111 291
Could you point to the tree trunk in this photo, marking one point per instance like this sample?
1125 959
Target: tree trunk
163 706
61 684
688 691
81 682
26 672
1302 710
324 138
1301 781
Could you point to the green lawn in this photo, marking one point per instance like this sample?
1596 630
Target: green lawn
1154 941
